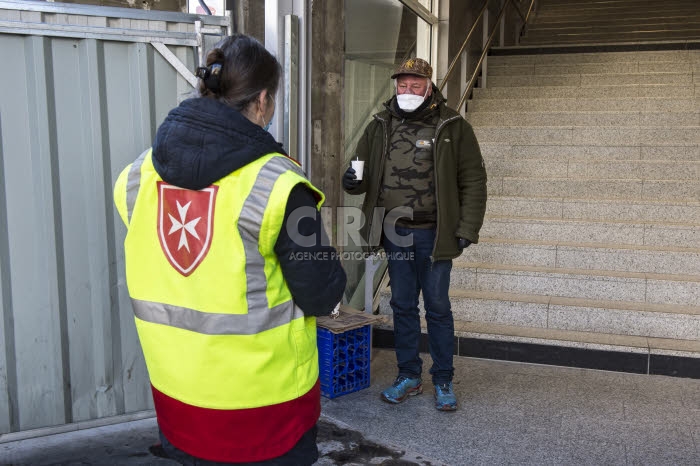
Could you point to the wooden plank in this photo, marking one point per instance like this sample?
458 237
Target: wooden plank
327 143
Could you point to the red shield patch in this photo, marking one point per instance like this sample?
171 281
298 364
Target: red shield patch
185 225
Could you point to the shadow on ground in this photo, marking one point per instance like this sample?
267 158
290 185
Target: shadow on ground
131 444
339 445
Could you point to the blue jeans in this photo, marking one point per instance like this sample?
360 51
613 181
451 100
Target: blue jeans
411 271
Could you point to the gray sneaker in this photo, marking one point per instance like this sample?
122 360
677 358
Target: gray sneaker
401 389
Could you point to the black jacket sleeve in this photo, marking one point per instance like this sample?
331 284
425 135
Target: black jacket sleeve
313 271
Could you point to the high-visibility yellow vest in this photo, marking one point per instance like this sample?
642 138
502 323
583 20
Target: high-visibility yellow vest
233 362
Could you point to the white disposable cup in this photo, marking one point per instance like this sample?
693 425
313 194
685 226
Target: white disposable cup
359 167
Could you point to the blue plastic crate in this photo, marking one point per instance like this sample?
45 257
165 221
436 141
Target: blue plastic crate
344 360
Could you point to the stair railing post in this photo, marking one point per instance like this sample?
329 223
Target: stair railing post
484 44
463 78
502 34
372 264
516 33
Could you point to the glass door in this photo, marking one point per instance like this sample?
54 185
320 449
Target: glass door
379 34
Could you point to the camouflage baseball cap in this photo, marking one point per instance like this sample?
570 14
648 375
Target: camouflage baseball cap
416 67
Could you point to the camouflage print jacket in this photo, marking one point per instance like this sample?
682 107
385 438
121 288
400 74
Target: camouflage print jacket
460 179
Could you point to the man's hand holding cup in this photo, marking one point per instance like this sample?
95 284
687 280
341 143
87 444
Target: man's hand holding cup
353 175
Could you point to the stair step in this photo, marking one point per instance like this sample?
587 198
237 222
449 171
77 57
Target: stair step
600 118
548 15
657 234
593 68
589 135
554 4
536 168
638 5
593 80
588 340
637 259
676 13
602 25
640 104
548 3
568 338
583 18
673 18
605 25
578 283
590 32
594 169
622 37
598 210
571 339
653 190
678 56
608 38
578 92
570 314
554 153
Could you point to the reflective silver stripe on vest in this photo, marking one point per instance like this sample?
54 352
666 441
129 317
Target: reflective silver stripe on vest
260 316
250 224
215 324
133 183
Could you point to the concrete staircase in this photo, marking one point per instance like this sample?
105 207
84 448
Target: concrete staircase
592 235
613 21
593 228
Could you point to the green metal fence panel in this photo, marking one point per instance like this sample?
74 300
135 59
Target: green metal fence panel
81 94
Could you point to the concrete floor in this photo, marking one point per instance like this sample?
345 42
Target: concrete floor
510 413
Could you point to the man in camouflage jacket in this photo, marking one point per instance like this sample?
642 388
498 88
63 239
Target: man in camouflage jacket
423 167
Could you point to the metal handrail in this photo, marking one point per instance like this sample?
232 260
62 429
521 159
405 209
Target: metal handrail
527 17
472 81
464 45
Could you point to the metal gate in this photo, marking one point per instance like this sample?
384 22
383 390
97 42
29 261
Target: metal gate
82 91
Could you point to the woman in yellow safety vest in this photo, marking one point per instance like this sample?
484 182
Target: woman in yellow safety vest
226 269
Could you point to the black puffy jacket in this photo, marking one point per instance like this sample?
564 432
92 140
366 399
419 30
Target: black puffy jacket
202 141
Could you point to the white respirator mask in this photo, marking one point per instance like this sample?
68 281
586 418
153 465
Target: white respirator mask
409 102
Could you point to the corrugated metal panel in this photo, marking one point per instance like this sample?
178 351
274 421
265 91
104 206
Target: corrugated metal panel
73 113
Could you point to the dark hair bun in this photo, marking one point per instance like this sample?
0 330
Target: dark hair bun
247 70
215 55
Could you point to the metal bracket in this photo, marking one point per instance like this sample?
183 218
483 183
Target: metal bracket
200 43
372 264
424 13
291 86
177 64
200 32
